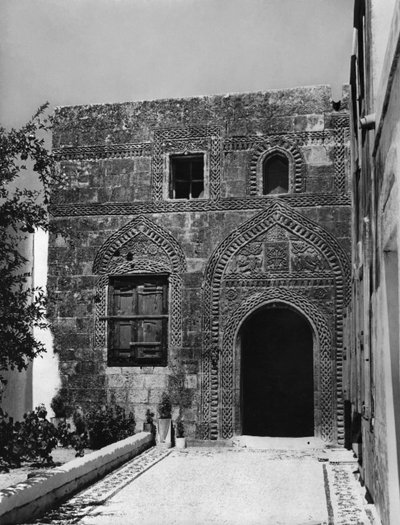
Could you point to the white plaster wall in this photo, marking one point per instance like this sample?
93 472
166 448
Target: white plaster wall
46 380
387 334
381 21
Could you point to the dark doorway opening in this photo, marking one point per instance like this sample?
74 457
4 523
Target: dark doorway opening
277 374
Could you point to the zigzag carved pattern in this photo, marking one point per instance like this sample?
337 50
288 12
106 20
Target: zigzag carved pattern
306 138
157 168
104 151
341 125
321 326
252 203
144 149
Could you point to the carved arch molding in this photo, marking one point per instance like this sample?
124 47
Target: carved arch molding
140 247
268 147
217 418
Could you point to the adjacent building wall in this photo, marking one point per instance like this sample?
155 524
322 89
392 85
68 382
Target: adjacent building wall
371 386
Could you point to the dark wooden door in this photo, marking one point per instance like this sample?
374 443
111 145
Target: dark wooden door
277 374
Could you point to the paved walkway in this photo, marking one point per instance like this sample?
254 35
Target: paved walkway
223 486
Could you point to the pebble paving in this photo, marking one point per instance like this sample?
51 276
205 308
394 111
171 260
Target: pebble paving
332 481
79 506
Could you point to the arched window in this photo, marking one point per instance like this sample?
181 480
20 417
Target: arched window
275 174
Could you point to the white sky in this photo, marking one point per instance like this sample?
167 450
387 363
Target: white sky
90 51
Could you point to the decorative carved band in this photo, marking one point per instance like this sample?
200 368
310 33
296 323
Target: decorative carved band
305 200
144 149
189 132
106 151
341 125
340 120
300 281
306 138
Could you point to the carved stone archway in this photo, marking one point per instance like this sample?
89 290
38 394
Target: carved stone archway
269 147
229 371
158 235
304 229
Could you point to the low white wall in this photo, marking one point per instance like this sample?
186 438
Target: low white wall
30 498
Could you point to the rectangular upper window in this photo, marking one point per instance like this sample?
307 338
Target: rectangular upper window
186 176
137 320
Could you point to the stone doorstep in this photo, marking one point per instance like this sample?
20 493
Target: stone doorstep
342 456
324 451
276 443
34 496
209 443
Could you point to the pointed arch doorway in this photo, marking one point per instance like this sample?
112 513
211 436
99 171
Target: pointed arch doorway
277 379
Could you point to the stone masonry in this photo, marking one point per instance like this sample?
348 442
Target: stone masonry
225 252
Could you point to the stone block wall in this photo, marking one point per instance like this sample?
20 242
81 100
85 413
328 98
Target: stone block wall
219 251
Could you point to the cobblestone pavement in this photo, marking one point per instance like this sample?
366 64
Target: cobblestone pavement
224 486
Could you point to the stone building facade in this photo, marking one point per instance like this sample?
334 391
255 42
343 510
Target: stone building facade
371 372
197 231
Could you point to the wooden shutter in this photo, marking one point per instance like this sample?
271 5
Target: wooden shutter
123 304
138 320
149 336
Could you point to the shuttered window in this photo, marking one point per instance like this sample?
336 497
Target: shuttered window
137 320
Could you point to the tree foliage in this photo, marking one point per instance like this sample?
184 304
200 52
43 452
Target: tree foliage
22 210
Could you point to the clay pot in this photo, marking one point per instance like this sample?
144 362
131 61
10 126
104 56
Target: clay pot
164 432
180 442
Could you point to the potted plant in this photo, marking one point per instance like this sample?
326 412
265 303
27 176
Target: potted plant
164 427
148 425
180 440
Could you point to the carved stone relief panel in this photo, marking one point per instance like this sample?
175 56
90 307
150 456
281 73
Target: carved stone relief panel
276 256
137 252
248 261
306 258
276 251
